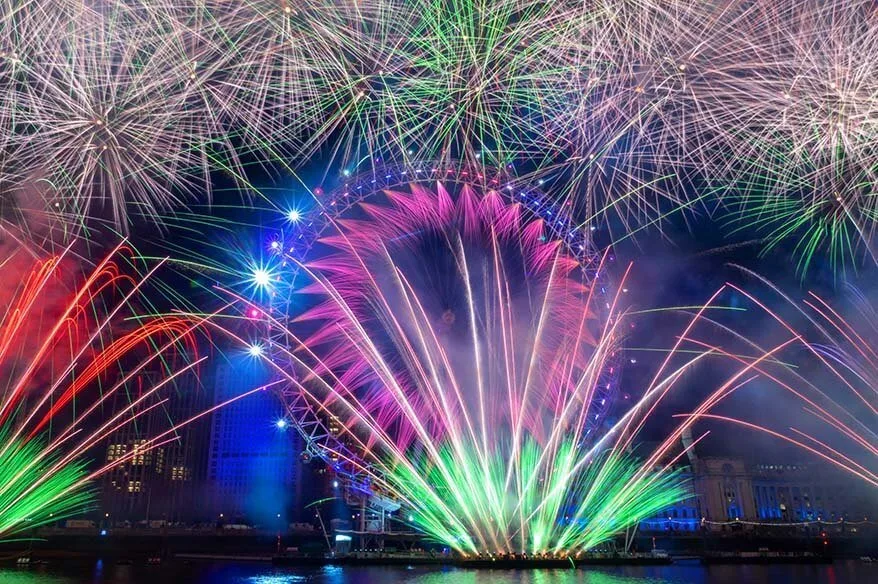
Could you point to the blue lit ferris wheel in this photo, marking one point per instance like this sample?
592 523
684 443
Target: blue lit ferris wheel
298 241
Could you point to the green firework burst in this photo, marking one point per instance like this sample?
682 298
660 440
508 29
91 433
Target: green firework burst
542 502
37 487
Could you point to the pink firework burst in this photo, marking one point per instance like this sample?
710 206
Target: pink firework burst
451 311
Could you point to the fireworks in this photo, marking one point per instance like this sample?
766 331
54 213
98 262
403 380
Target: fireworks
122 107
792 120
631 111
457 358
829 367
131 108
565 92
67 359
456 345
35 489
467 80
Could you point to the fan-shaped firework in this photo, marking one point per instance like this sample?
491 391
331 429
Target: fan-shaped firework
64 391
457 352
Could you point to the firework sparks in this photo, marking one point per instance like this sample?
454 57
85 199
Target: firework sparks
131 107
460 353
470 80
829 366
790 112
60 355
121 107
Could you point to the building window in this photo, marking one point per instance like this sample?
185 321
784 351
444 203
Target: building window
116 451
179 473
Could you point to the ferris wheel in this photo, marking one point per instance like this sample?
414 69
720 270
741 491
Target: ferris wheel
300 239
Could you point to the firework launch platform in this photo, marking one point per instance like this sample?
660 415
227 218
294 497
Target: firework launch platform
484 562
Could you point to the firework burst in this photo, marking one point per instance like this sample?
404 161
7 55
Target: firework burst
478 81
630 111
791 117
65 388
590 99
122 107
460 357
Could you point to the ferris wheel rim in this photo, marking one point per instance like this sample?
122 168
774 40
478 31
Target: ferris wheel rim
308 229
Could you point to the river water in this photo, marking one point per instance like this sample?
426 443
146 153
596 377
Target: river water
841 572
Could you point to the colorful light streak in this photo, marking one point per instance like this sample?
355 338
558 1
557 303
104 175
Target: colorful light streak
827 365
65 386
479 414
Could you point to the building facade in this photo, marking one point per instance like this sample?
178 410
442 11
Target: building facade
729 493
253 462
158 485
805 492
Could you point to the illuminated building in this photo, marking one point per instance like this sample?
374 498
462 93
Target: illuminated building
254 455
730 494
160 485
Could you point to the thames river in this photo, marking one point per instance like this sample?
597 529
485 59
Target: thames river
842 572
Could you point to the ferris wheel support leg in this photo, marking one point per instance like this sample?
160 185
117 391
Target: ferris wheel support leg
381 528
363 523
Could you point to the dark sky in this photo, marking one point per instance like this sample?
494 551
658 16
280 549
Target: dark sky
681 264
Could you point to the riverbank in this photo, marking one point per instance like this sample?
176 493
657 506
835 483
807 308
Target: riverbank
491 563
60 557
310 549
103 572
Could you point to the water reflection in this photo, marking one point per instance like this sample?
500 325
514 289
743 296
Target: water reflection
643 576
31 576
277 579
851 572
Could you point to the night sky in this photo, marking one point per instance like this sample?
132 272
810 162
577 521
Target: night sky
681 263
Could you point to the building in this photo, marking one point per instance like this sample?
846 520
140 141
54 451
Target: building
725 489
683 517
807 492
254 463
159 484
729 493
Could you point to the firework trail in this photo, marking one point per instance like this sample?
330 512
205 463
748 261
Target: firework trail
61 357
829 366
459 353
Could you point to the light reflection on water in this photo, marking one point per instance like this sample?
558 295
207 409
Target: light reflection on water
847 572
277 579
